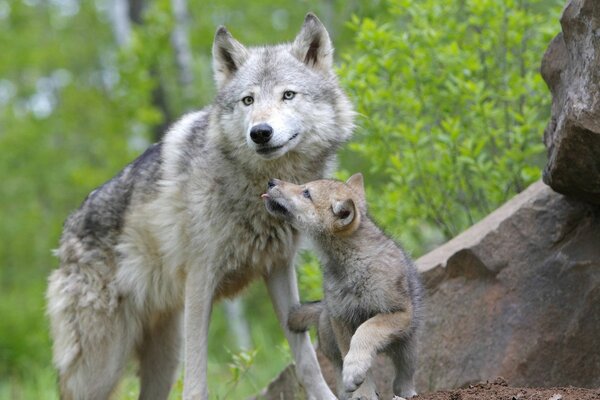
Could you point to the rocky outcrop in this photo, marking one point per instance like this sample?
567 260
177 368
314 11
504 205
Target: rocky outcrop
571 68
517 295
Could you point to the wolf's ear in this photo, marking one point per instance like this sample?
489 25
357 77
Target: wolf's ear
228 55
357 184
312 46
346 216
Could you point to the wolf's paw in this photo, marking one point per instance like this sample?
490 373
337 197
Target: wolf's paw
354 372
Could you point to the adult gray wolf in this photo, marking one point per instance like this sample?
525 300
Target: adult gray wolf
372 292
183 225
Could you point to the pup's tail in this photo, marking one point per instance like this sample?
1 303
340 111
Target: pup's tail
304 316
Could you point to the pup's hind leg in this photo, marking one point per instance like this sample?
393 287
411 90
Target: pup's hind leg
329 347
159 355
91 341
366 390
404 356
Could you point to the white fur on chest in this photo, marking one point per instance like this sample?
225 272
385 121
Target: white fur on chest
232 238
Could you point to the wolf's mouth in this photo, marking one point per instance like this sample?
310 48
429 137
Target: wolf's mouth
276 207
272 149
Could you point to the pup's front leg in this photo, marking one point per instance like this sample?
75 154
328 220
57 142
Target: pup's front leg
283 289
372 336
366 389
199 290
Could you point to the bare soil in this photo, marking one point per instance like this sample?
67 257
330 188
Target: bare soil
499 390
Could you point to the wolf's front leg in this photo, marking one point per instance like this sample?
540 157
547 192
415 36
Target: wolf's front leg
283 289
374 335
199 290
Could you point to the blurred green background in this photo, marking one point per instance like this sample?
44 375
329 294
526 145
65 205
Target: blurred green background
451 114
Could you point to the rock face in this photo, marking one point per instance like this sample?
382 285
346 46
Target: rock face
517 295
571 68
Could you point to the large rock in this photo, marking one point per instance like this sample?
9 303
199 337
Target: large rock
517 295
571 68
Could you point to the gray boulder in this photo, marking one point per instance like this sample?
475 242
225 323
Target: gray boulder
571 68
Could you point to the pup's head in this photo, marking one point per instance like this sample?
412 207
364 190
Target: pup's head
319 207
272 99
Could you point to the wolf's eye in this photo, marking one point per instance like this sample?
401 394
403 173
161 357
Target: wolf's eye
306 194
288 95
248 100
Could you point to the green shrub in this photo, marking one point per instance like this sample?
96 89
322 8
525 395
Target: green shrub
452 109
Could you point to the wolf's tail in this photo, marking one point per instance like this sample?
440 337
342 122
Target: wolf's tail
304 316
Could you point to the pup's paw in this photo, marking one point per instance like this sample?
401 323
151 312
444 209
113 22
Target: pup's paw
362 396
354 372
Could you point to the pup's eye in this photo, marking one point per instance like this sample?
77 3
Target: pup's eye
248 100
288 95
306 194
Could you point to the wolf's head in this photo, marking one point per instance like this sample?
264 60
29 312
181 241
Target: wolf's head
320 207
278 99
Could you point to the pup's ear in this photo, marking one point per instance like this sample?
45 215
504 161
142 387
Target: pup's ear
357 184
346 216
228 55
312 46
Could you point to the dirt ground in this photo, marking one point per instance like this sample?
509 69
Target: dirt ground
499 390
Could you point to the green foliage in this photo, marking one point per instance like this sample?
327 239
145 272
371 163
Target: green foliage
452 109
240 365
309 277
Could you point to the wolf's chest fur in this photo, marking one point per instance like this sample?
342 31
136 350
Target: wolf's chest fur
251 243
206 216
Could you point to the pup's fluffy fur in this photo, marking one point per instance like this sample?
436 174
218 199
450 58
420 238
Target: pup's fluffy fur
372 290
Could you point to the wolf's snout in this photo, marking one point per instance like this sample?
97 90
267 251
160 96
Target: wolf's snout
261 133
272 182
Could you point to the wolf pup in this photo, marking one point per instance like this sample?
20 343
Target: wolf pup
371 288
183 225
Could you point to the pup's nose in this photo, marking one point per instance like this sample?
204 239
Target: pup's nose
272 182
261 133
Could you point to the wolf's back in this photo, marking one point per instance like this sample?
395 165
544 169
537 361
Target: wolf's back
101 216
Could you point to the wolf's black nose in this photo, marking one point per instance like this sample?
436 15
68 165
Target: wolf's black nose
261 133
271 183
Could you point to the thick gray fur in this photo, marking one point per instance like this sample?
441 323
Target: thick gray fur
183 225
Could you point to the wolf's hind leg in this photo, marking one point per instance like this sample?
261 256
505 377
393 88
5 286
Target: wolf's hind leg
159 355
91 341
